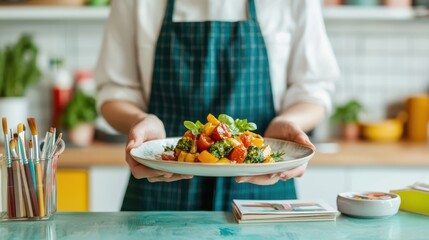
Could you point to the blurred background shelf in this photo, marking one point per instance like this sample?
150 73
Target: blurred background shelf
53 13
100 13
368 13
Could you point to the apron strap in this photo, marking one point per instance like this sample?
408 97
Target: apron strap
252 10
170 10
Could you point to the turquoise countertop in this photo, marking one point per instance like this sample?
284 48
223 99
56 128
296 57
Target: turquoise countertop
210 225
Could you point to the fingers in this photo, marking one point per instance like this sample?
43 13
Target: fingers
263 180
171 178
302 138
269 179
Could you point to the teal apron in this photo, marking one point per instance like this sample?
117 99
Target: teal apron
200 68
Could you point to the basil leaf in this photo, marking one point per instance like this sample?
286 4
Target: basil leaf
226 119
251 126
199 124
190 125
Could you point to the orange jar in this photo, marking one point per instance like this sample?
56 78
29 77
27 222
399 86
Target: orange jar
418 117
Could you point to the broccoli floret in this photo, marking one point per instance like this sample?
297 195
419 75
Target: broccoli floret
184 144
221 148
254 155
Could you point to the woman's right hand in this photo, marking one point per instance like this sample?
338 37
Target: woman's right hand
149 128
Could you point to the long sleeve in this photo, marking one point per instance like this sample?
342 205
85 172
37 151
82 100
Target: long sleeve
117 73
312 67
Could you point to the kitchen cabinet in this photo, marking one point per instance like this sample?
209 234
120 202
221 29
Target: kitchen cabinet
326 182
97 189
107 186
72 190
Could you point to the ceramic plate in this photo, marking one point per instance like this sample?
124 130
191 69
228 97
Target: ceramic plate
149 154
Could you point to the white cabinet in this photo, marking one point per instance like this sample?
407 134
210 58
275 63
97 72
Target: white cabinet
322 183
326 182
385 178
107 187
108 184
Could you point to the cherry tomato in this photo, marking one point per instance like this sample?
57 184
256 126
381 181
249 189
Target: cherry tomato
246 139
189 134
238 154
204 142
168 156
221 132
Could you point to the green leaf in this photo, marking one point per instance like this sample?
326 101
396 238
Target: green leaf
190 125
199 124
226 119
251 126
19 67
277 156
348 112
81 109
195 128
169 148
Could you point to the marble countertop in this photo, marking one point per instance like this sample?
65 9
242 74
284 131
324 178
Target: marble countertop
211 225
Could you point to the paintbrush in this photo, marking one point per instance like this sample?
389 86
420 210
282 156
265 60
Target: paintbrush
47 143
34 206
10 192
34 133
18 189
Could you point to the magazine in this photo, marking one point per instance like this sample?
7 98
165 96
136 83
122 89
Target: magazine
282 211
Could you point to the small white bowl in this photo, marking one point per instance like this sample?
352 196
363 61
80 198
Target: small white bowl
365 208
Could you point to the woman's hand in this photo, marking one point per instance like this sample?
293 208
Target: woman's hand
150 128
285 130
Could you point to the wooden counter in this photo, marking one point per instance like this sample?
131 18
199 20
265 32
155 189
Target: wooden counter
343 154
365 153
98 154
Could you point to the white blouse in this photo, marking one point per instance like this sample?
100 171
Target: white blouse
302 64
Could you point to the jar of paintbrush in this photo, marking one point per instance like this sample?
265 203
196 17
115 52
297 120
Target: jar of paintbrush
28 172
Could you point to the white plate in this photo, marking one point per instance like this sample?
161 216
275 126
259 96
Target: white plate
149 154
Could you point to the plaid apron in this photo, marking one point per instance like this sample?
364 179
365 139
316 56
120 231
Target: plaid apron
200 68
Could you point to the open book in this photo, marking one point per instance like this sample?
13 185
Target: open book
246 211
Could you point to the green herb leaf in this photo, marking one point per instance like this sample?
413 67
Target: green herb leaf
226 119
168 148
190 125
251 126
195 128
277 156
237 126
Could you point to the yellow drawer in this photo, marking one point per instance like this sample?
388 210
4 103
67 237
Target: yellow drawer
72 190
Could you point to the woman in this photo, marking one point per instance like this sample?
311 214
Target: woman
163 62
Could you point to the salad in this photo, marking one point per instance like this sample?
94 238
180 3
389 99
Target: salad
221 140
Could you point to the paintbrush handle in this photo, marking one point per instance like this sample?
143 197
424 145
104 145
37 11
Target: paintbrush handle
19 198
33 174
10 193
27 198
40 189
3 183
33 196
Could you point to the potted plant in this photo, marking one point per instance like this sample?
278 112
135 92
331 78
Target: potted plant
78 119
347 115
18 71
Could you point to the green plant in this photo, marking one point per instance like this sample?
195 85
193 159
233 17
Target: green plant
348 112
18 67
81 109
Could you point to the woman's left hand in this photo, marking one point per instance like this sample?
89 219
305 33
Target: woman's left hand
285 130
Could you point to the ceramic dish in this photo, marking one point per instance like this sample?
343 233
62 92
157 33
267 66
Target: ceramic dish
362 204
295 155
